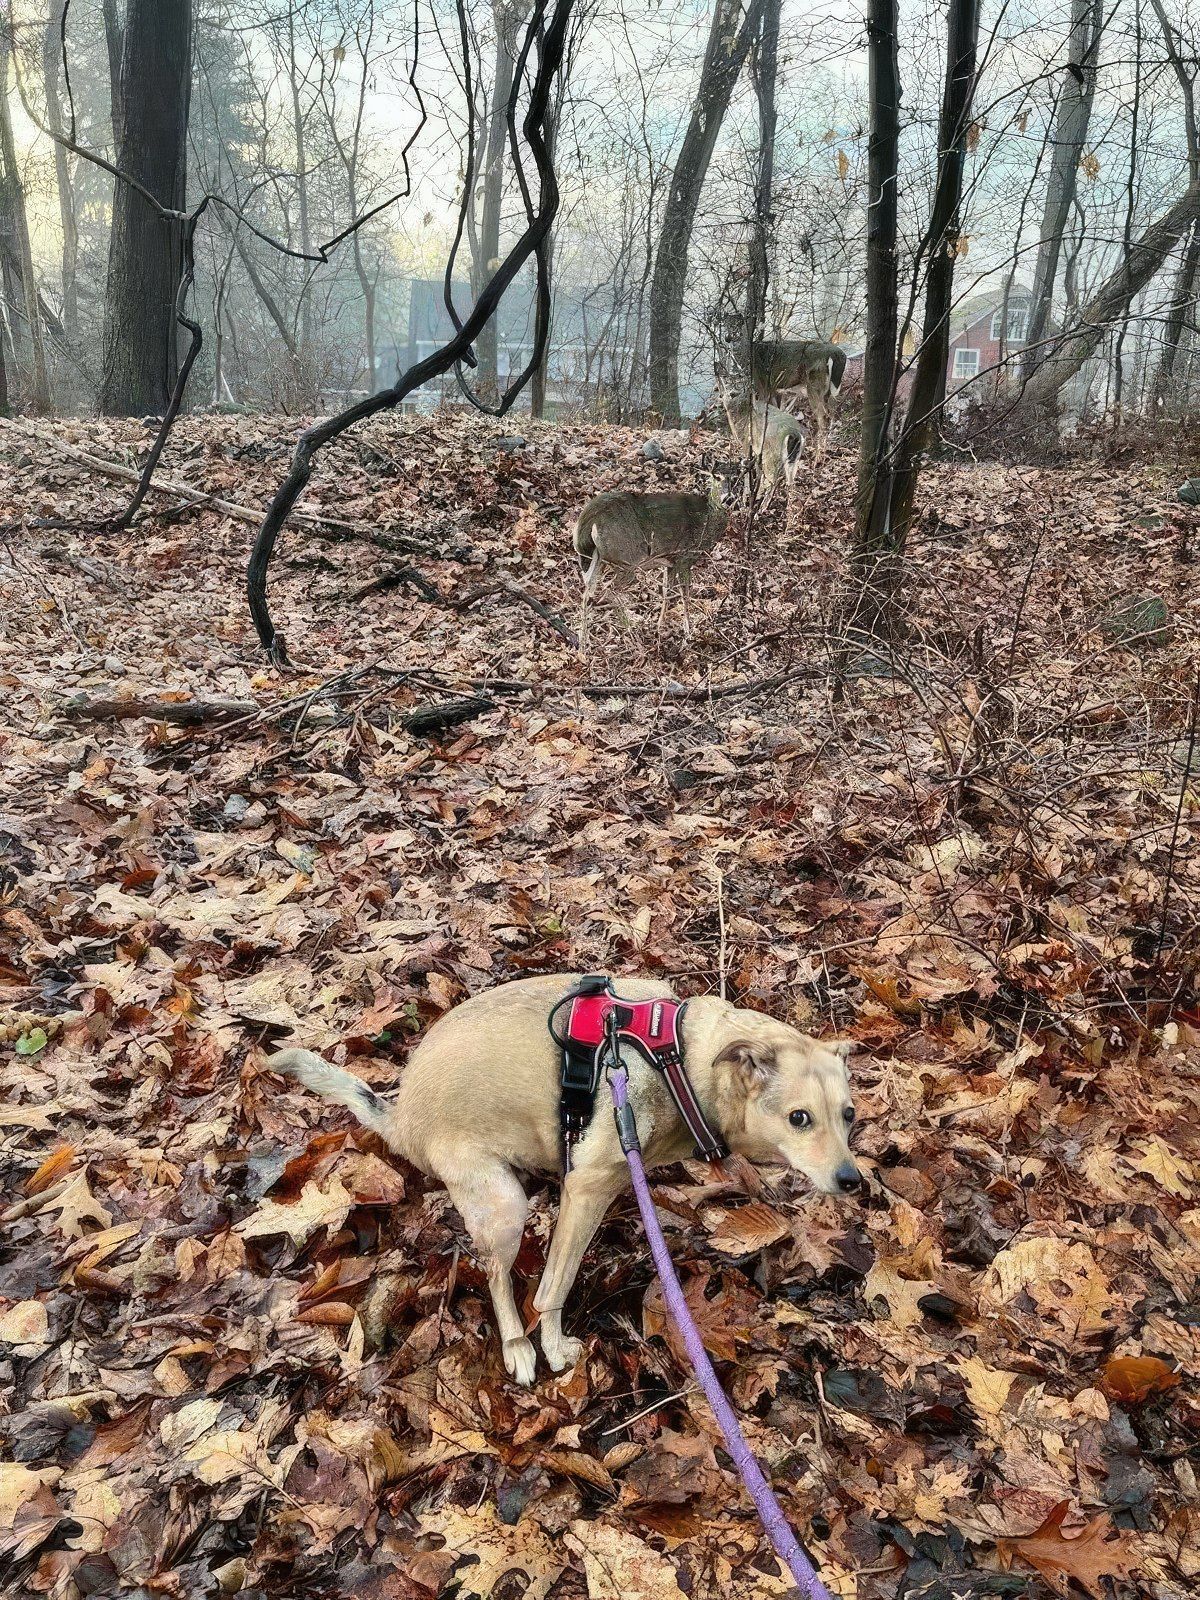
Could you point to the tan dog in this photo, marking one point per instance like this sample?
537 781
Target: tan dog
479 1102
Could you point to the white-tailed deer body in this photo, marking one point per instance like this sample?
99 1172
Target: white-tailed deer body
621 531
775 439
800 366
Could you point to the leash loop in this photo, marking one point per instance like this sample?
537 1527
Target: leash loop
770 1512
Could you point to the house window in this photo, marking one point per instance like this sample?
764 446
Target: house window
966 363
1018 318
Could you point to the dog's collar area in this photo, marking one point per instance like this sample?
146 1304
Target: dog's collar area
597 1018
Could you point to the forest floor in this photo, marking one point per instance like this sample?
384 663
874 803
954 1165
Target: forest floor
238 1339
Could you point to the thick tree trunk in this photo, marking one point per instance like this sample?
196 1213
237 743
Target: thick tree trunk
1111 301
879 365
1068 135
882 542
15 224
52 45
145 260
728 46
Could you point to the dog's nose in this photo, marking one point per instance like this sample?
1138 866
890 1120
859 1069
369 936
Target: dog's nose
849 1179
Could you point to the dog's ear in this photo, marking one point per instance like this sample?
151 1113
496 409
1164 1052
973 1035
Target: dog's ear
753 1062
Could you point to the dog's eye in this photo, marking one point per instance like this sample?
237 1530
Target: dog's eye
849 1113
800 1119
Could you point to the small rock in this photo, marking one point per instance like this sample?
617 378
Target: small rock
652 450
510 442
114 664
1140 619
1189 492
236 807
25 460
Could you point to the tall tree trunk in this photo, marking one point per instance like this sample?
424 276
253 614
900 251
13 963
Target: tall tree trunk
764 70
885 552
145 259
1112 299
1068 135
879 363
114 41
52 46
508 18
298 136
537 387
16 225
728 47
1188 276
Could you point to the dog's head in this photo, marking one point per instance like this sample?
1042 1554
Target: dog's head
792 1095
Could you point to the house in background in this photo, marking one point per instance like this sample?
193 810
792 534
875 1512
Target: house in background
591 354
985 333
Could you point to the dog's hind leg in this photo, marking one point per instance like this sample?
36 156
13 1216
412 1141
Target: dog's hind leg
494 1207
586 1196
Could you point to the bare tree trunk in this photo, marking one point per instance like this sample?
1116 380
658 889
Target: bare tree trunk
114 42
12 202
537 387
1068 136
508 19
145 259
764 68
885 549
1118 367
879 365
1111 301
728 46
298 135
52 45
1182 310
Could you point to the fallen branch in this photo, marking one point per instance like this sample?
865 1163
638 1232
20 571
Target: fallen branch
433 719
187 713
514 590
395 542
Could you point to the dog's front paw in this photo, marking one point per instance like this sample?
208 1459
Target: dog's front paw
520 1360
561 1353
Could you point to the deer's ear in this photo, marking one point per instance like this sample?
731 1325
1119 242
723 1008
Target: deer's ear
753 1063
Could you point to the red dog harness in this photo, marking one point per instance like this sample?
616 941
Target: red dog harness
651 1027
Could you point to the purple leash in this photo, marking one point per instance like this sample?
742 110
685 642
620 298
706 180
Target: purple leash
770 1512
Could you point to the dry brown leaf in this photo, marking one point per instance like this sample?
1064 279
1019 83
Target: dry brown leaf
1086 1558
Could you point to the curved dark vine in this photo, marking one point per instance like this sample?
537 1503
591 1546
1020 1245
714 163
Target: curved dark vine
531 242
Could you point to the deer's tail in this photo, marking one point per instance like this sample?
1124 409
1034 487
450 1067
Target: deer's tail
585 547
332 1083
837 366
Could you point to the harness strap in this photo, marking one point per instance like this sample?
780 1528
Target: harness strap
598 1017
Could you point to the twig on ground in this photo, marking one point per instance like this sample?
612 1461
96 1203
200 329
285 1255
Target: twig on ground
514 590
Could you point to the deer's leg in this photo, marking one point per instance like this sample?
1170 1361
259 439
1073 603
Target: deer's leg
662 613
683 576
817 399
591 583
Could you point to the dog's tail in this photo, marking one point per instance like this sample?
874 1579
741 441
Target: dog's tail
331 1083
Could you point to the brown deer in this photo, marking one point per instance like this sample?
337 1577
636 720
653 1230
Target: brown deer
622 530
773 437
789 367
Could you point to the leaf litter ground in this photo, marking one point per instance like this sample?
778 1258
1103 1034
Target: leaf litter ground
244 1349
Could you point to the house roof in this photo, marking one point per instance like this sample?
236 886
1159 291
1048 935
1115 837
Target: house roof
978 306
